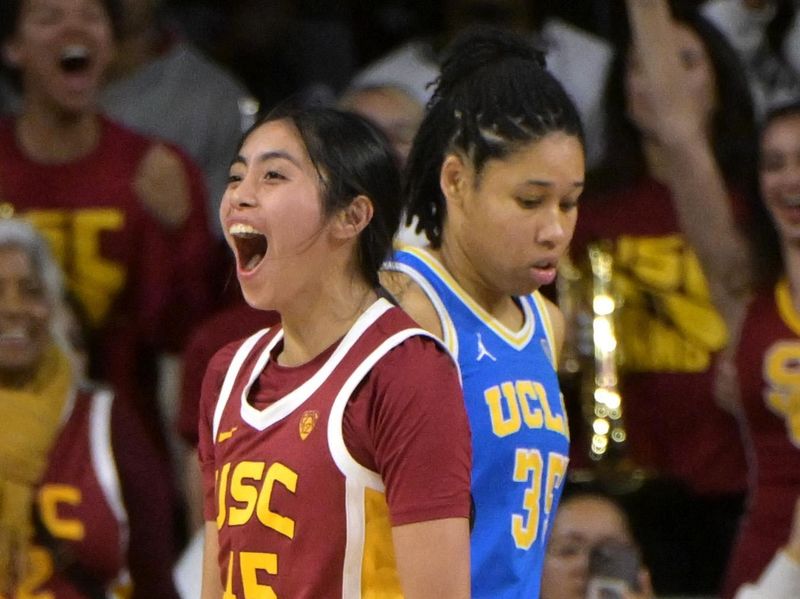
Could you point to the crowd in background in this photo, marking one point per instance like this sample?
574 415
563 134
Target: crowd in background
675 183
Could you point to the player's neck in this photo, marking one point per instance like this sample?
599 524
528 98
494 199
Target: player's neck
500 305
314 322
51 138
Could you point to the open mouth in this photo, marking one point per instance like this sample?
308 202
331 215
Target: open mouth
74 59
251 246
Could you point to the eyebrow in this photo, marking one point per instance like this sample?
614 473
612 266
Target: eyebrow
279 154
541 183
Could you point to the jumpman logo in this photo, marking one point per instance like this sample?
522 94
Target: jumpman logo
483 352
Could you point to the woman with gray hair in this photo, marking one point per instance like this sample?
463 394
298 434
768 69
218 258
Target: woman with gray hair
84 504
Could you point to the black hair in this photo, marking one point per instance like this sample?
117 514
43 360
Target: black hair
10 11
352 157
733 129
493 97
769 260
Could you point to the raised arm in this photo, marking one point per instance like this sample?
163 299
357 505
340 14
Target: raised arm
679 127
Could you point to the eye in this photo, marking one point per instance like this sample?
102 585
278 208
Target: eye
528 203
234 178
32 289
273 176
568 204
771 163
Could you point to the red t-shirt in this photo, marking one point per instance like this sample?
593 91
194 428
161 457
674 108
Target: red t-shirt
669 335
141 285
766 361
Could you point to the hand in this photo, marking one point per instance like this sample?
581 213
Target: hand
645 585
163 187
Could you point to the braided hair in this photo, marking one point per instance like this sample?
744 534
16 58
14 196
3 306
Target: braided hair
493 97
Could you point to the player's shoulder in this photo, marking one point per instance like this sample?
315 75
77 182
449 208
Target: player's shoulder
413 300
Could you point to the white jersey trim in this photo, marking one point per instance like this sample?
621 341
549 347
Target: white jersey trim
516 339
103 460
282 407
358 477
230 377
449 336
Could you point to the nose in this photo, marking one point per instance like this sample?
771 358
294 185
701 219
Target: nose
11 300
552 229
241 195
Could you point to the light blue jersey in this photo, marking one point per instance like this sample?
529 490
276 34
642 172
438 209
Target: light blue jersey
520 439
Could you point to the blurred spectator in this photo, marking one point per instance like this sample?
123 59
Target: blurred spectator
669 332
398 114
289 48
762 386
124 214
577 58
86 501
159 84
766 33
586 520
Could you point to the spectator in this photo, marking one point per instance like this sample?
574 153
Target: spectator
159 84
86 502
125 214
578 59
398 114
669 331
766 33
585 520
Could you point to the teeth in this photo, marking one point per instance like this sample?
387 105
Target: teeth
75 51
74 57
240 229
794 201
14 335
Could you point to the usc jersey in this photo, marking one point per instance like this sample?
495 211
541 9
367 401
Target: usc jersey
298 513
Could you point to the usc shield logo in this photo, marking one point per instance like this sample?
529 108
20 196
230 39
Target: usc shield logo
307 423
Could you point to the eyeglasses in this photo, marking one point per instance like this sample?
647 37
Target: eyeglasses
570 549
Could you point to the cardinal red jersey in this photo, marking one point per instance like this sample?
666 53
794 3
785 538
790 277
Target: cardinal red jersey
80 505
140 285
669 336
298 514
768 363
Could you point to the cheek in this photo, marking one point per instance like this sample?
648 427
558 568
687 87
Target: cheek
768 184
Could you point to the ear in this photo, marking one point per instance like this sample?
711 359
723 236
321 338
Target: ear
354 218
454 179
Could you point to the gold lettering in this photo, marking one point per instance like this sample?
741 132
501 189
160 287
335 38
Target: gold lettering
222 492
244 493
74 237
50 496
502 425
527 393
528 466
782 374
277 473
250 563
38 572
